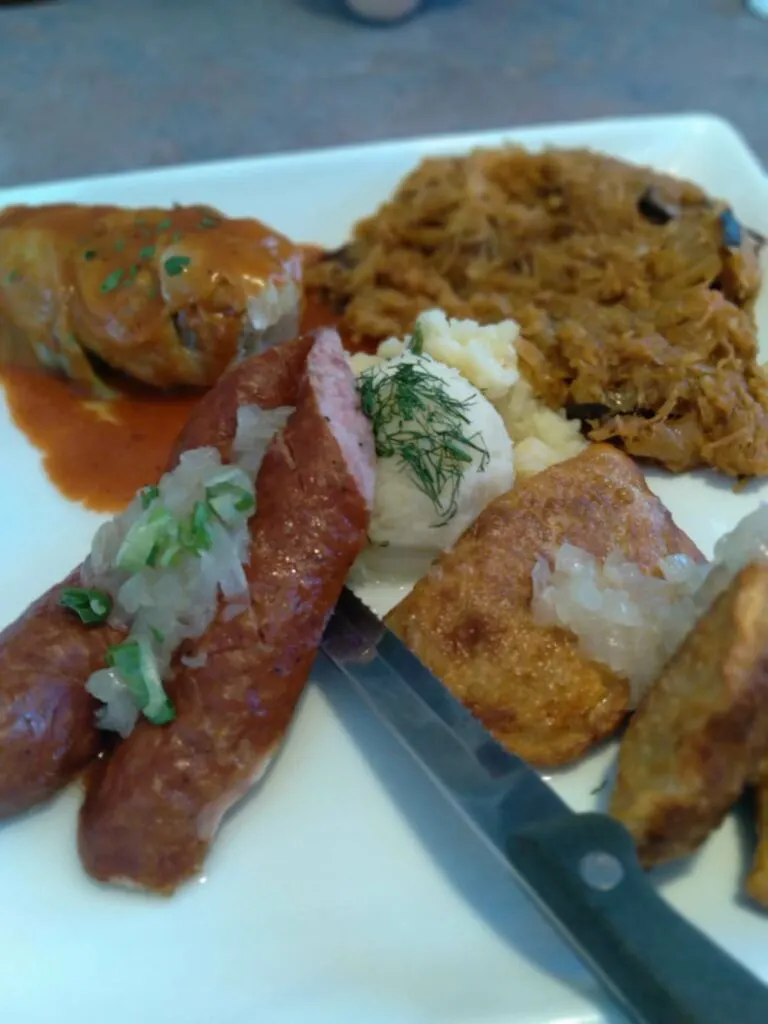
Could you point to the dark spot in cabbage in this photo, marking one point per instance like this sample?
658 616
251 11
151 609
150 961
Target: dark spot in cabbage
344 255
655 208
587 411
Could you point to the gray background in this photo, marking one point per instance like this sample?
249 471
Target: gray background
89 86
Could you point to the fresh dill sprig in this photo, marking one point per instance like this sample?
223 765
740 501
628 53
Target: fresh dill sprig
416 344
417 421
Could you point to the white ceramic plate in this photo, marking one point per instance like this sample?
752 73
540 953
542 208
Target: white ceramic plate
347 891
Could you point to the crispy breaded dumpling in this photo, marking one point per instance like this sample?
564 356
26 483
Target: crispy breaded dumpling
695 740
757 880
470 618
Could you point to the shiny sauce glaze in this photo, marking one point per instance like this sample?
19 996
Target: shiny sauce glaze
99 452
160 295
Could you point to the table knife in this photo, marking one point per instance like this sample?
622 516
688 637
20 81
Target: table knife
580 869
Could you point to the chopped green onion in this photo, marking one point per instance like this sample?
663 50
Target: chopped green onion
164 224
230 475
13 276
125 658
245 502
194 533
137 666
132 272
176 237
176 265
89 254
91 606
168 555
159 637
148 495
230 494
208 222
119 244
147 539
147 252
111 281
230 502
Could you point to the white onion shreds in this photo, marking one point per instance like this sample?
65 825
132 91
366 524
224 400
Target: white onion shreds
622 617
747 542
119 713
172 556
185 485
232 610
229 567
255 429
194 660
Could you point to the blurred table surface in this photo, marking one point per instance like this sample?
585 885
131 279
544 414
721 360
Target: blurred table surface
92 86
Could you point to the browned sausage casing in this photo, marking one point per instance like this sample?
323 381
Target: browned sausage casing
151 813
47 730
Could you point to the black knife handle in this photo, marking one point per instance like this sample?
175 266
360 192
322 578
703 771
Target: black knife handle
584 871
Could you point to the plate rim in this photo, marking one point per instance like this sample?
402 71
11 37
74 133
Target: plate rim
696 121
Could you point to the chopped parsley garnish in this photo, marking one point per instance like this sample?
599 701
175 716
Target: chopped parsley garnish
209 222
147 252
164 224
132 272
416 421
176 265
91 606
111 281
89 254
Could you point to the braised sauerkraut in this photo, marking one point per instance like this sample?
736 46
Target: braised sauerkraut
633 291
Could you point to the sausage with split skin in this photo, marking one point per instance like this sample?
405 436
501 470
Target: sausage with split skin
47 727
152 809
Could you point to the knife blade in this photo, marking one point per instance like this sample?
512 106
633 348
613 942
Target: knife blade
581 869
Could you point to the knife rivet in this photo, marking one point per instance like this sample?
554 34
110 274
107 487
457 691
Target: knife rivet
601 870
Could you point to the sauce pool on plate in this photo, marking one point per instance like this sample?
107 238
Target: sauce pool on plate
97 452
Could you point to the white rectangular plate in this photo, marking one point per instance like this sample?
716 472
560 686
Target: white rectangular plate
347 891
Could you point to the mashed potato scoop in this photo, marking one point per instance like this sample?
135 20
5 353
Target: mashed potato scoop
443 452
